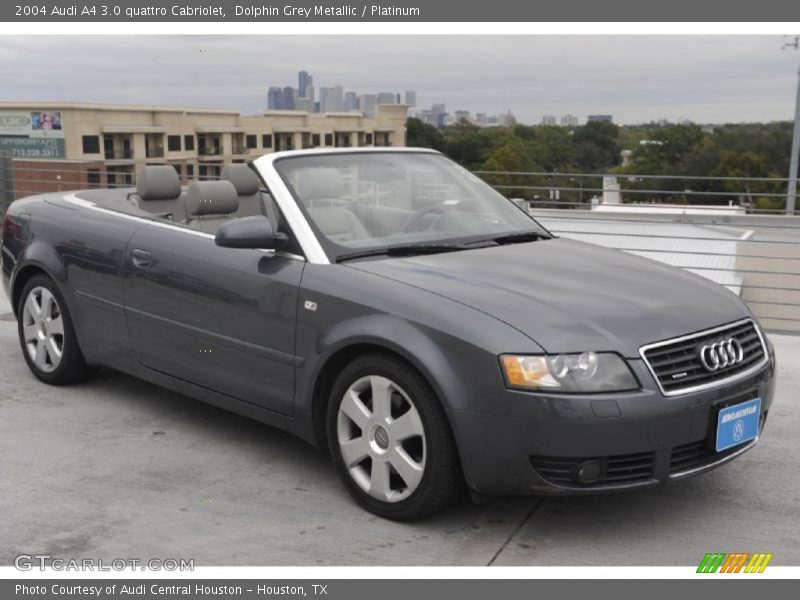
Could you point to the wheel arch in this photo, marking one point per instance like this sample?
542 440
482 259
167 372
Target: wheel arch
22 277
426 359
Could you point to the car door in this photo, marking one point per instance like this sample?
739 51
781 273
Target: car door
220 318
90 245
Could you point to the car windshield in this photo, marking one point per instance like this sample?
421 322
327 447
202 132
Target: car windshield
359 202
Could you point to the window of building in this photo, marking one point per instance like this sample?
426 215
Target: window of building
266 140
329 139
188 142
178 169
369 139
93 177
315 139
91 144
190 171
203 172
251 141
174 143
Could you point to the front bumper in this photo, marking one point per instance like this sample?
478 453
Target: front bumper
642 438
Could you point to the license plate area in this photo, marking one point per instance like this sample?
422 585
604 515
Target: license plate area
737 424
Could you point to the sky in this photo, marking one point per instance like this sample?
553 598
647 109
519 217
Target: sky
637 79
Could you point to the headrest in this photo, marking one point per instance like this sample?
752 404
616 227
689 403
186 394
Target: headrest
159 182
211 198
319 183
243 179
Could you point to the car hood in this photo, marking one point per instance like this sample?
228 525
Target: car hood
570 296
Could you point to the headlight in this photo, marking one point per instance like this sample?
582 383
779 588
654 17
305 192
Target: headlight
585 372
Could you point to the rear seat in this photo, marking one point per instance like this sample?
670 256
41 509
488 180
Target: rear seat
209 204
158 191
251 201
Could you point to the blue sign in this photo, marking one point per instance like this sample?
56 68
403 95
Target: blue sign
738 423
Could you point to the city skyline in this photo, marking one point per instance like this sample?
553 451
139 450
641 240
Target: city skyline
330 98
638 79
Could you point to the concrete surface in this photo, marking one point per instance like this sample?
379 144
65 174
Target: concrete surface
116 468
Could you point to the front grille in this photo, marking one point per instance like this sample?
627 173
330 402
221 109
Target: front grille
619 470
677 367
694 455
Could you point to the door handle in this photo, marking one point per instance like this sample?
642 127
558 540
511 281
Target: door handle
141 258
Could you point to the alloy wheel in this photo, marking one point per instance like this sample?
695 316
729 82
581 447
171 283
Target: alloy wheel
381 438
43 329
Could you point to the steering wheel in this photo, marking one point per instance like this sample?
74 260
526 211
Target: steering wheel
413 220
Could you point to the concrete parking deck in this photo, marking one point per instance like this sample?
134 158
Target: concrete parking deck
117 468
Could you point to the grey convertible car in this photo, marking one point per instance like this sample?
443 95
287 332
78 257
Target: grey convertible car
390 306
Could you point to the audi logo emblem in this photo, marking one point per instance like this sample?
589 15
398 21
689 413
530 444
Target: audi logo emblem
721 354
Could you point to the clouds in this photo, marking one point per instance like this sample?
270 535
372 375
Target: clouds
635 78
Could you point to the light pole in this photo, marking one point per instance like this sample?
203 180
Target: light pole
791 191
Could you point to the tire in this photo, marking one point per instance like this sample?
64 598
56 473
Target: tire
390 440
47 336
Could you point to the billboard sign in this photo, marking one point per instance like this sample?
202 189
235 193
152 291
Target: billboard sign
34 134
33 147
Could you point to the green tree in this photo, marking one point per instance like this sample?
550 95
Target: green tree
740 167
596 146
422 135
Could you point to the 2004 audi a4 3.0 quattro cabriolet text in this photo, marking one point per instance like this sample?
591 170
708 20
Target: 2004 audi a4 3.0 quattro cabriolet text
387 304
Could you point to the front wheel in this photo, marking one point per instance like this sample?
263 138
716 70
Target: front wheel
390 440
47 336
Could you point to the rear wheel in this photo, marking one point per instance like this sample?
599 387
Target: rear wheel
390 439
47 336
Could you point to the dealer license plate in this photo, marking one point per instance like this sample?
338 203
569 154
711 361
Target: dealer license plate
738 424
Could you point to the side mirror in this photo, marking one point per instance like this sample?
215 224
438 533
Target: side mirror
250 232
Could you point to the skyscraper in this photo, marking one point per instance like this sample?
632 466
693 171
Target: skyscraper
387 98
273 98
331 99
549 120
366 104
411 98
350 101
569 121
288 98
438 115
304 82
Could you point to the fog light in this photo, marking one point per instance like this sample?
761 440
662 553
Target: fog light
590 471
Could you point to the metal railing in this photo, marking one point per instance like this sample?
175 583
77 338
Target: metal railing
575 190
722 235
119 154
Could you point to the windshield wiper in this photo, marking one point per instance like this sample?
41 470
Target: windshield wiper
414 249
521 237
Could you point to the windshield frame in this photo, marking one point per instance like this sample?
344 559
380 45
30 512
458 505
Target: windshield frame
334 251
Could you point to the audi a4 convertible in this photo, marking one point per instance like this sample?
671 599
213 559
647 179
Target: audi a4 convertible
389 305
